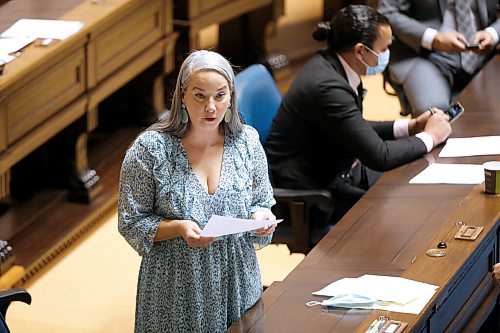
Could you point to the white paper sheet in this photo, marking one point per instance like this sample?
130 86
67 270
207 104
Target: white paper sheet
35 28
382 288
393 293
224 225
443 173
5 58
414 307
473 146
14 44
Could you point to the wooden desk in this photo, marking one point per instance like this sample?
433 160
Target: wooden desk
388 232
45 90
243 26
49 96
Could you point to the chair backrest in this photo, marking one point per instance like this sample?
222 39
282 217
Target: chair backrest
258 98
7 297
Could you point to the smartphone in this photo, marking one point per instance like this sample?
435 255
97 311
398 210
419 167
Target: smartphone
454 111
471 46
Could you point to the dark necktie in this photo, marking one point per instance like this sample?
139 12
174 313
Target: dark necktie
466 26
361 95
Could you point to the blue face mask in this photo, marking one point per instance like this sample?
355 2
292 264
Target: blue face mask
352 301
382 61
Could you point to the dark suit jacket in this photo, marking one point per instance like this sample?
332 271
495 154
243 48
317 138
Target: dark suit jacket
410 18
319 131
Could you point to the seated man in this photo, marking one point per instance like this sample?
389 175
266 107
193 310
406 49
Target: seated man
319 138
439 46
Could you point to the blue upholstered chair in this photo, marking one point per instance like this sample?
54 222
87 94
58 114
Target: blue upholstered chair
258 99
7 297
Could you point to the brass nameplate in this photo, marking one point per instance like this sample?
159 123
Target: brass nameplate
468 232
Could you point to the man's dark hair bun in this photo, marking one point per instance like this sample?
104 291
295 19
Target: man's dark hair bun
322 31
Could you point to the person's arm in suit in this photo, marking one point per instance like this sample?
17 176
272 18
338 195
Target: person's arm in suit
407 29
489 37
417 24
340 117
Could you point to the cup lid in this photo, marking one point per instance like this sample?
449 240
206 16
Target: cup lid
492 165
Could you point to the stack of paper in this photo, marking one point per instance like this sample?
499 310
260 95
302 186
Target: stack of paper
392 293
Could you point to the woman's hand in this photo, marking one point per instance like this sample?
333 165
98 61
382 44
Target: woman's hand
264 214
191 233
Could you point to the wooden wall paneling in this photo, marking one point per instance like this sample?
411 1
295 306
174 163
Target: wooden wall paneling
134 67
169 52
225 10
127 37
43 96
235 24
42 133
4 184
168 14
3 127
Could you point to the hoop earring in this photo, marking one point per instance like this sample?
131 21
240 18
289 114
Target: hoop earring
184 114
229 114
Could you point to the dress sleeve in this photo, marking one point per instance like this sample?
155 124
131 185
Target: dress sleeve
137 222
262 191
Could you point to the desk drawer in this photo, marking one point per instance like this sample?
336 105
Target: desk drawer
44 96
463 286
124 38
199 7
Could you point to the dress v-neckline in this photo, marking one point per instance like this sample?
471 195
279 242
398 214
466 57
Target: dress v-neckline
193 174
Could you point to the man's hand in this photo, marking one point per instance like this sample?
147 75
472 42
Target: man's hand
438 126
417 125
485 41
450 41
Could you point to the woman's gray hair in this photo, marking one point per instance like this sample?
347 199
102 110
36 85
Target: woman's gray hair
197 61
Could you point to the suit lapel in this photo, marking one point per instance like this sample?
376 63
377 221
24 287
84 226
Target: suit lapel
337 65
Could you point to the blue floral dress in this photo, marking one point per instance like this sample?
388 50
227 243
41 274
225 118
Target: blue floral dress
184 289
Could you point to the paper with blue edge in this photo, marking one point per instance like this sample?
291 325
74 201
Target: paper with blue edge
391 293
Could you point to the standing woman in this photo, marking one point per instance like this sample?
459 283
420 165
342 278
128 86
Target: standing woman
197 162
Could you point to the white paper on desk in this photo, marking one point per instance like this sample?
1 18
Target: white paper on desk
339 287
393 288
389 289
473 146
443 173
414 307
56 29
391 292
224 225
5 58
14 44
